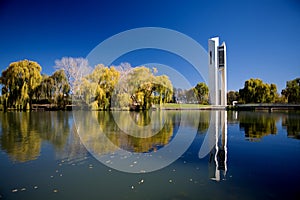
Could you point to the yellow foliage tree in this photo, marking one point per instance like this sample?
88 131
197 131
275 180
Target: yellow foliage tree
20 81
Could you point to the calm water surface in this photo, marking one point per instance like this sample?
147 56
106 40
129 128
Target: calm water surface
256 155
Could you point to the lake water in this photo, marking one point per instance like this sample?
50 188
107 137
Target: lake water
226 155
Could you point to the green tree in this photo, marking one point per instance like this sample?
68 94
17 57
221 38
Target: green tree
232 96
20 81
256 91
61 88
292 91
54 89
201 91
44 90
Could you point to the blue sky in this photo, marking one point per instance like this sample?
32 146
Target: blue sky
262 37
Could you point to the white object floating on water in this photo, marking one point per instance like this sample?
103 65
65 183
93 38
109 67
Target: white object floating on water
109 170
174 170
60 164
191 179
60 175
35 187
55 190
132 187
23 189
134 162
56 171
184 162
51 176
14 190
170 181
141 181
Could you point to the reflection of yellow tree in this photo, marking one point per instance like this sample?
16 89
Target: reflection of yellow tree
91 134
53 127
22 133
142 143
102 134
73 149
194 118
141 118
204 120
19 140
292 123
257 125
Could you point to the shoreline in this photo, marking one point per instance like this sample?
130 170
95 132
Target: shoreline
238 107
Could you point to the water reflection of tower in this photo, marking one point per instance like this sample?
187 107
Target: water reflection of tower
218 155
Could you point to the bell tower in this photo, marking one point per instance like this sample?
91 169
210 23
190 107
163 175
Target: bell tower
217 72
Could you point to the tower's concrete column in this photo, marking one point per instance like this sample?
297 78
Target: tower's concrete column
213 44
217 65
223 73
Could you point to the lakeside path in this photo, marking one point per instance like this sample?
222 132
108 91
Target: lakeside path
239 107
266 106
174 106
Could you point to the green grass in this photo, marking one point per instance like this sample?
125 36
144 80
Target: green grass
183 106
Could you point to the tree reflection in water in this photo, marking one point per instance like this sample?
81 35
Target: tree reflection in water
292 124
23 133
257 124
19 139
107 127
144 141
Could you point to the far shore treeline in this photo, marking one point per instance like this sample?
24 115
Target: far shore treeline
74 84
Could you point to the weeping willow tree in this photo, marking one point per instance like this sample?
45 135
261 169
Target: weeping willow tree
97 87
61 88
139 88
20 81
144 88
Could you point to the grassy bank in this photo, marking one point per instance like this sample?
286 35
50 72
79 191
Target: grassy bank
175 106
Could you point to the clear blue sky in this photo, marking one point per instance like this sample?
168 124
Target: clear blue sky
262 37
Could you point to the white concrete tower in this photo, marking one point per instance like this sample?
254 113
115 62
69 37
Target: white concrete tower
222 65
217 72
213 83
